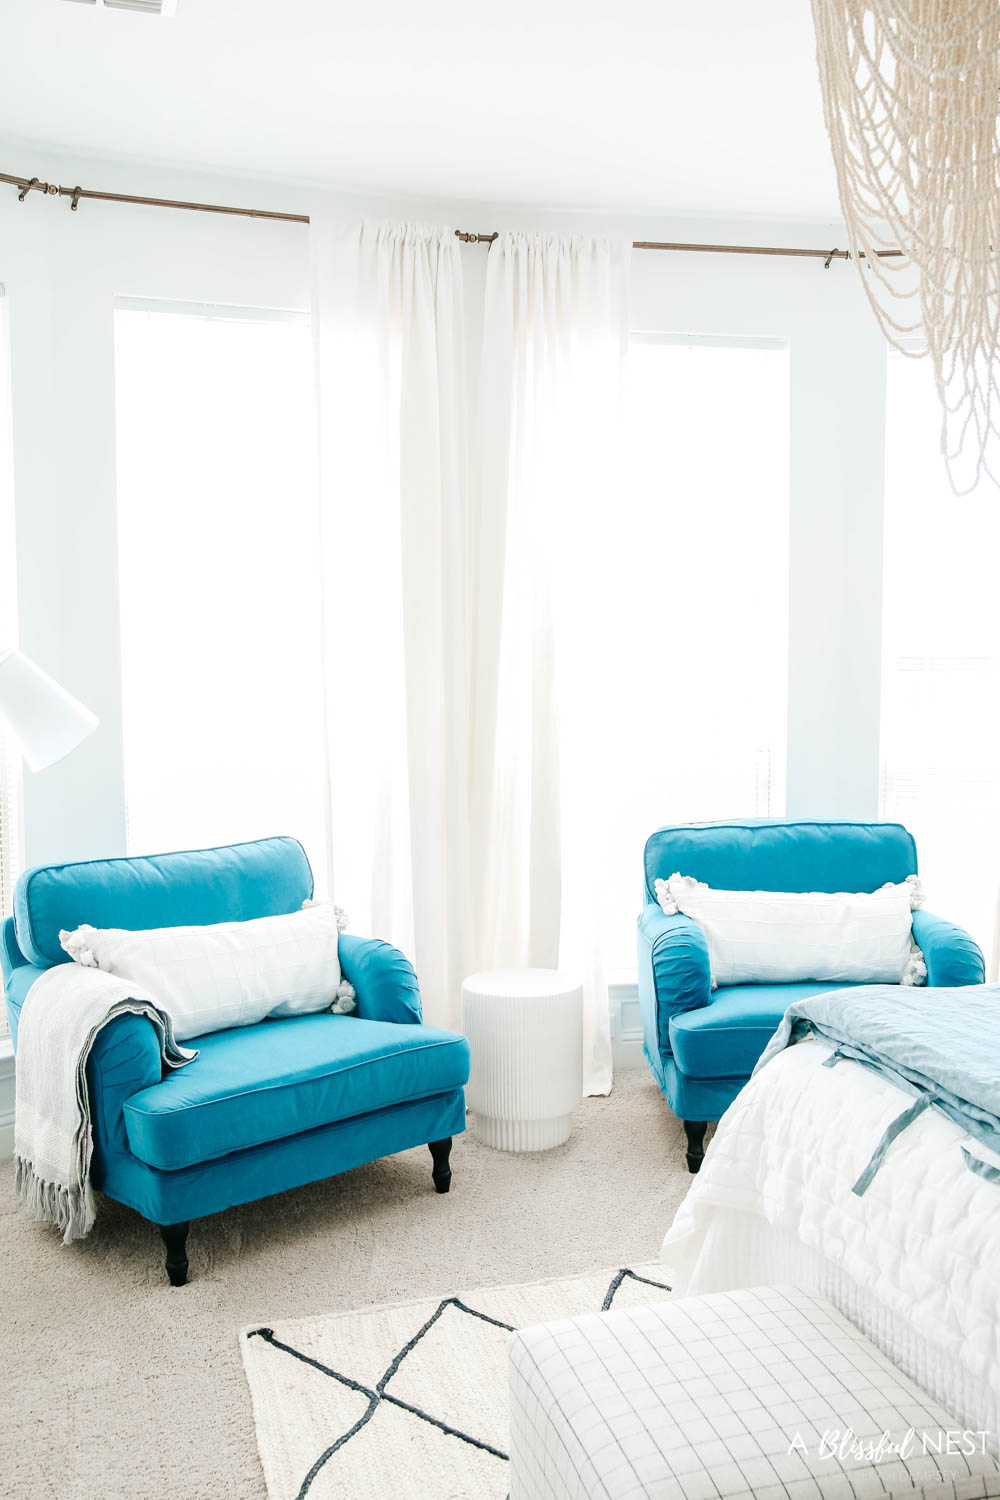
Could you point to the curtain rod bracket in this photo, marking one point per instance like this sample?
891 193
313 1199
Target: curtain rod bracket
27 186
75 202
829 258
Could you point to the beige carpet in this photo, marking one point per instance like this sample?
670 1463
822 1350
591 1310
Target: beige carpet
116 1386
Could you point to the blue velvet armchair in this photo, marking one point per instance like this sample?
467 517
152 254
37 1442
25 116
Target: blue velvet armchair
702 1044
262 1108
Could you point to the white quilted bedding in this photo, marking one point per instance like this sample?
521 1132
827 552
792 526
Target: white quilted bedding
915 1262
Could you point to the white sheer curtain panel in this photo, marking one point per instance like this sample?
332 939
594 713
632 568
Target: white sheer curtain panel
388 318
548 460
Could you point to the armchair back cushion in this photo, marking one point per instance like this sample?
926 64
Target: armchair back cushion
770 855
266 878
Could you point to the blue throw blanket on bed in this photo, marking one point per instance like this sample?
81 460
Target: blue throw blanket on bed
940 1045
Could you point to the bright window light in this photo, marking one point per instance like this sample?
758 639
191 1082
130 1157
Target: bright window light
219 579
696 574
941 661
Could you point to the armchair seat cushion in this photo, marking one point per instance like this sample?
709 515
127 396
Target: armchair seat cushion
255 1084
725 1038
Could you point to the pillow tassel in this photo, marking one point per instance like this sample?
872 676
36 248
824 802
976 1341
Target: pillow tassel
346 998
342 918
666 900
78 945
916 969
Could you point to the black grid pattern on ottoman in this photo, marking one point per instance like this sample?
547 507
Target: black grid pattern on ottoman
724 1397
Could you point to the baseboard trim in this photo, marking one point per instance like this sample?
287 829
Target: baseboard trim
626 1052
626 1026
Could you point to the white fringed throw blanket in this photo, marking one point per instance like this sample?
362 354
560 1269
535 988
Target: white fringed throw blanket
62 1014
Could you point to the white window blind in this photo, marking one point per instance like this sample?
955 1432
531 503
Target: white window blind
11 840
940 767
219 578
696 570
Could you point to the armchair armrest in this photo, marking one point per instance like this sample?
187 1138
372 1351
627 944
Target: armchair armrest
125 1058
11 956
16 989
951 956
674 975
383 979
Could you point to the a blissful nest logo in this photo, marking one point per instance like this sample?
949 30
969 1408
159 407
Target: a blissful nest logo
844 1446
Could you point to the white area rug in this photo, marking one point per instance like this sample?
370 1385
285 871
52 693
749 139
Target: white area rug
408 1399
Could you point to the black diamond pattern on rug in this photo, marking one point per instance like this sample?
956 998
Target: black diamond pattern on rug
377 1394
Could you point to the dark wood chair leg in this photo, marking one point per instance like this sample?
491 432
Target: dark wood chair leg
695 1132
441 1172
175 1239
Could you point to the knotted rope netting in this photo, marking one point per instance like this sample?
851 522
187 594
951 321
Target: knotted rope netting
910 95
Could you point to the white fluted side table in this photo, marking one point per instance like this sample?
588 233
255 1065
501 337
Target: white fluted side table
525 1030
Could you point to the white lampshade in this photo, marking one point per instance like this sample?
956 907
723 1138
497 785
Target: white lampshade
45 721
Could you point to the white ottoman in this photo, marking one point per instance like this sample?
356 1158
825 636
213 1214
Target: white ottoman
525 1029
765 1394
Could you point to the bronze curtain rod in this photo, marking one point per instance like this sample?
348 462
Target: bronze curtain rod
26 185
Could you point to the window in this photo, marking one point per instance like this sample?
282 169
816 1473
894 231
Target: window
11 842
219 578
697 562
940 771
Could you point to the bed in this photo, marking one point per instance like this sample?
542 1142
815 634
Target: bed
914 1262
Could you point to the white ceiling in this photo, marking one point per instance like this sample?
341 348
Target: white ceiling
607 104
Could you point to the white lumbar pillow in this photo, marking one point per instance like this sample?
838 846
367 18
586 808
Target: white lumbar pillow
227 973
778 937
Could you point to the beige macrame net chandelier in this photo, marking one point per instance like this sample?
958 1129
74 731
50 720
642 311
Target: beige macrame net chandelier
910 95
